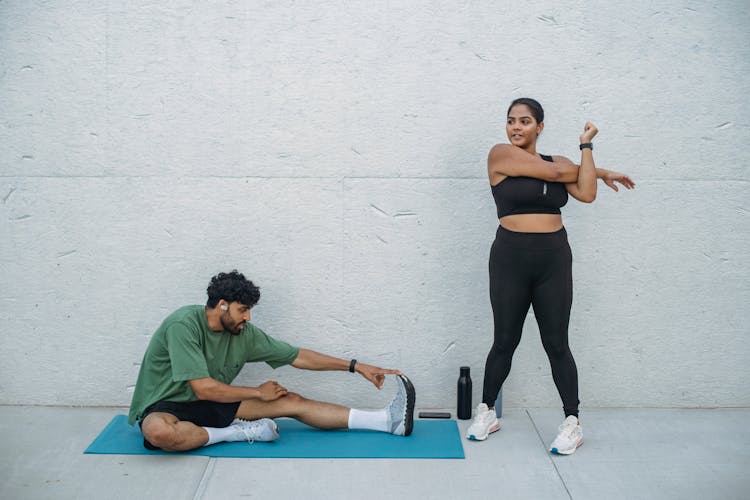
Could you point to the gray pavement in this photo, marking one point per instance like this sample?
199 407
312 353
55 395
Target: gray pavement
627 453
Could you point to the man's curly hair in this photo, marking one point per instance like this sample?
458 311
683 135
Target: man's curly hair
232 287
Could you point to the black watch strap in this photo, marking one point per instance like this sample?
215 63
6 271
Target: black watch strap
585 145
351 365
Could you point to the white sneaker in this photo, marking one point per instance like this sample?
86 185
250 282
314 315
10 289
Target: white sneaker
264 429
401 408
485 423
569 438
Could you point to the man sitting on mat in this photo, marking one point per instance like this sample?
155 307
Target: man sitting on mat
183 399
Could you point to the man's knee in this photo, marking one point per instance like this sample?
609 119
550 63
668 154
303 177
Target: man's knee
159 437
294 398
158 432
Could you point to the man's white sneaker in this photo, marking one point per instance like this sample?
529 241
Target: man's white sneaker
264 429
401 408
485 423
569 438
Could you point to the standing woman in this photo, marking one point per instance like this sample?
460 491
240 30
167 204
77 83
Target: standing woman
530 260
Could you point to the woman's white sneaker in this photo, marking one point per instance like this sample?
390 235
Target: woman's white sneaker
485 423
569 438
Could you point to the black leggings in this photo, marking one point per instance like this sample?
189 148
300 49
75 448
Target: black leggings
531 269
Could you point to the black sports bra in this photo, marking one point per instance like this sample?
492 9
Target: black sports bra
526 195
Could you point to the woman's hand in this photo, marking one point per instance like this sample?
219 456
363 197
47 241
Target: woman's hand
610 177
589 132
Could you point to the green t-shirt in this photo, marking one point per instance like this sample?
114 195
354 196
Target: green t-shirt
185 348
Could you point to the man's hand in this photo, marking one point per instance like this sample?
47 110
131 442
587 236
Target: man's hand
375 374
271 390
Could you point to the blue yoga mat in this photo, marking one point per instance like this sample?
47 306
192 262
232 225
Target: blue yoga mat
429 439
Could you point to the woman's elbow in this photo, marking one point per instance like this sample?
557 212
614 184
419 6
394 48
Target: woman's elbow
556 176
588 197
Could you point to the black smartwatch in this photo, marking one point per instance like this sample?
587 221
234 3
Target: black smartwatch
586 145
351 365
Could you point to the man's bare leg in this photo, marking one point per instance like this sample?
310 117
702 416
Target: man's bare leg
165 431
314 413
396 418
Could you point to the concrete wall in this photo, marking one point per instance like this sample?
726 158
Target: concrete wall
335 153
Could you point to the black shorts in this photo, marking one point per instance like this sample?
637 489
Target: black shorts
202 413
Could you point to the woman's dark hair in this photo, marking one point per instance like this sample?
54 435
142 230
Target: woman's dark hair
232 287
533 105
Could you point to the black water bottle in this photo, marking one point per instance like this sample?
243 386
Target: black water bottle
464 394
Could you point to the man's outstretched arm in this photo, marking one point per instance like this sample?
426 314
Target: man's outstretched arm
311 360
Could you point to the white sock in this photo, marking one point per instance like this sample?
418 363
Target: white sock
376 420
221 434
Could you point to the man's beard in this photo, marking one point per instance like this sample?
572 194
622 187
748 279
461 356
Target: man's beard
232 327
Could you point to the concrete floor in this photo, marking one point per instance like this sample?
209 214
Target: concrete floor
628 454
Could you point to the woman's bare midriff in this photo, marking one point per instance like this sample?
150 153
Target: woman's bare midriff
532 223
